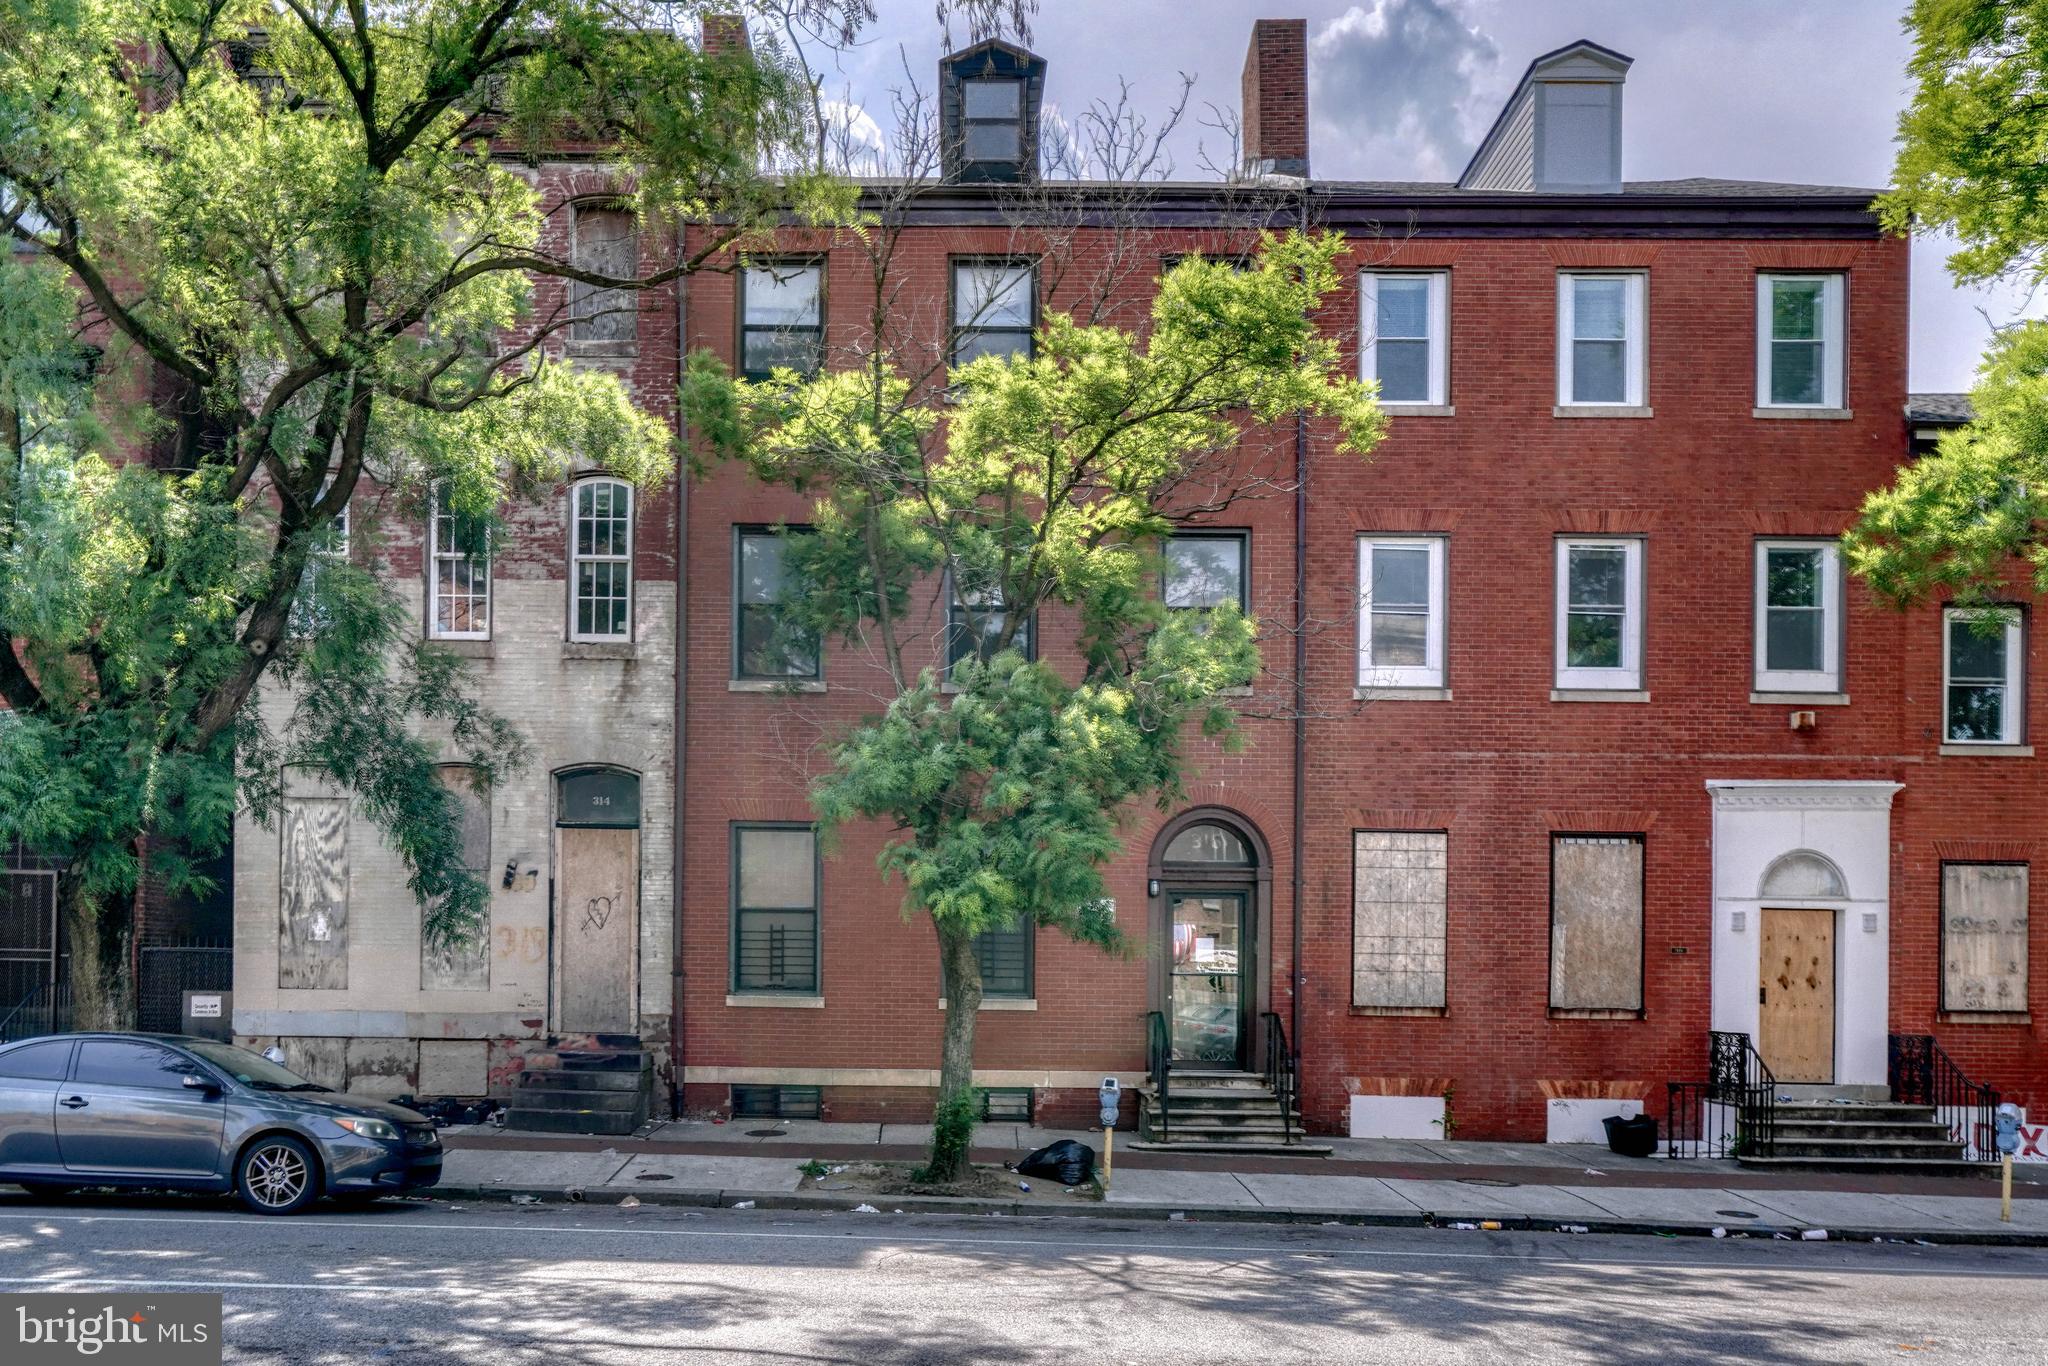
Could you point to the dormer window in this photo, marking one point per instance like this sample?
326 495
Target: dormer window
992 120
989 98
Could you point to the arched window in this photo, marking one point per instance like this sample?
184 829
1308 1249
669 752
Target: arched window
1216 845
601 560
1804 875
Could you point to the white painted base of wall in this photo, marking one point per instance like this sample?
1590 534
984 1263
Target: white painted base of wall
1578 1121
1397 1117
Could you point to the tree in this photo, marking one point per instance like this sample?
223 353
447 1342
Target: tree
1027 481
305 259
1971 161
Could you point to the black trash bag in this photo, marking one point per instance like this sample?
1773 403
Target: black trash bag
1066 1162
1631 1136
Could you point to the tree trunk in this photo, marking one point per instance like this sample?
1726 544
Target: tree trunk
953 1120
96 932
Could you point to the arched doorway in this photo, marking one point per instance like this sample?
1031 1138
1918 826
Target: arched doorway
597 896
1211 884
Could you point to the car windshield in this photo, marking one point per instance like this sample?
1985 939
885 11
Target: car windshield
252 1069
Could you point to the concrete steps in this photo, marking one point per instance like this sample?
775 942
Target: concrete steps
1220 1112
1861 1136
602 1085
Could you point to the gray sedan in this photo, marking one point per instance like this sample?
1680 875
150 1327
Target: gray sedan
170 1112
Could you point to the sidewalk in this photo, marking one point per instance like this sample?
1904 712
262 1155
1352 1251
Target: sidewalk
1513 1185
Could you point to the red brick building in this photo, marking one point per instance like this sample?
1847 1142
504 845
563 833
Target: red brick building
1576 740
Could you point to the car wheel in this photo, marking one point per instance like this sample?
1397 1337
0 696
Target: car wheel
277 1175
45 1190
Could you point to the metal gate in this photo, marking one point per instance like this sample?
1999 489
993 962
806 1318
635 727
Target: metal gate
168 971
28 933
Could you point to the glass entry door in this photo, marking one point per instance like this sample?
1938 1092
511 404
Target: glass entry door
1205 979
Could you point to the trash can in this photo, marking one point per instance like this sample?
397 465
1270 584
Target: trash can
1631 1135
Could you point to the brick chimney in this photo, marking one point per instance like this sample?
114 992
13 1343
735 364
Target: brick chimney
724 33
1275 119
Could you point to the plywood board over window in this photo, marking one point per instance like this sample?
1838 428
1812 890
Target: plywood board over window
312 903
464 966
1399 892
1984 937
1596 922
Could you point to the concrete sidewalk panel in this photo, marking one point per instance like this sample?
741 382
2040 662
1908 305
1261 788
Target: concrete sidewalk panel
719 1173
525 1169
1336 1194
1456 1199
1195 1190
1664 1204
1837 1209
1979 1214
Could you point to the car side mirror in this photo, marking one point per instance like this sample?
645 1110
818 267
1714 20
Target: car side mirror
194 1082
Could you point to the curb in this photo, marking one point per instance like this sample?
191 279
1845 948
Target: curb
1221 1214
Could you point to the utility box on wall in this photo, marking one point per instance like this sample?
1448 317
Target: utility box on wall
208 1015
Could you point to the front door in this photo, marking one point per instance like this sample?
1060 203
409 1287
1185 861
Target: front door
1205 979
598 881
1796 1006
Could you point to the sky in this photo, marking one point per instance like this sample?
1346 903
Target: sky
1794 90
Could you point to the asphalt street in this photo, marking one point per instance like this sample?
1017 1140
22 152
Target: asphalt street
483 1283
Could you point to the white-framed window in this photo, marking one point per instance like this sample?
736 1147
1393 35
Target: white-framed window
458 577
309 616
1405 322
1799 350
1602 320
1798 616
1401 611
1600 613
1983 678
601 560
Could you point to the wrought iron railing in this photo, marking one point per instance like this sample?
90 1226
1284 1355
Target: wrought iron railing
1158 1057
46 1010
1281 1068
1733 1113
1920 1072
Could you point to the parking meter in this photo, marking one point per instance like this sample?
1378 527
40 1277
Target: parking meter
2005 1127
1111 1097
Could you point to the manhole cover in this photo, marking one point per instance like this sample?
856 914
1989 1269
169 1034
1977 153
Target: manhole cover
1484 1181
1737 1214
764 1133
654 1176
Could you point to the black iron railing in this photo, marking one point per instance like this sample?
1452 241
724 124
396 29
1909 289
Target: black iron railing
1733 1113
1281 1066
1158 1057
1920 1072
46 1010
168 971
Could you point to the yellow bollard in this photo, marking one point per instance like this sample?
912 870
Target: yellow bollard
1109 1160
2005 1190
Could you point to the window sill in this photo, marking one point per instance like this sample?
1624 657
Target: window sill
775 1001
1395 1012
1240 690
1967 750
598 649
1598 695
1418 409
1002 1003
468 649
1576 1013
775 685
1800 699
1985 1017
1400 694
1601 410
1805 414
607 350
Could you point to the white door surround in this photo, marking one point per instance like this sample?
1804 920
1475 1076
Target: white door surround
1843 832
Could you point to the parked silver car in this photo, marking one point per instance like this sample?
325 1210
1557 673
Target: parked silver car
170 1112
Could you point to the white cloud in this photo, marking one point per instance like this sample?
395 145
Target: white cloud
1398 90
852 133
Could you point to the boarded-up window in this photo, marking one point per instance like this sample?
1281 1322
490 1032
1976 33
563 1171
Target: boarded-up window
464 966
1596 922
312 904
1399 889
605 245
1984 936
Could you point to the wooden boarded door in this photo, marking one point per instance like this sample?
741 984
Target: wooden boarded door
1796 1009
596 888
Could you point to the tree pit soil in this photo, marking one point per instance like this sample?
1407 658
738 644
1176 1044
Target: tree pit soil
879 1181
